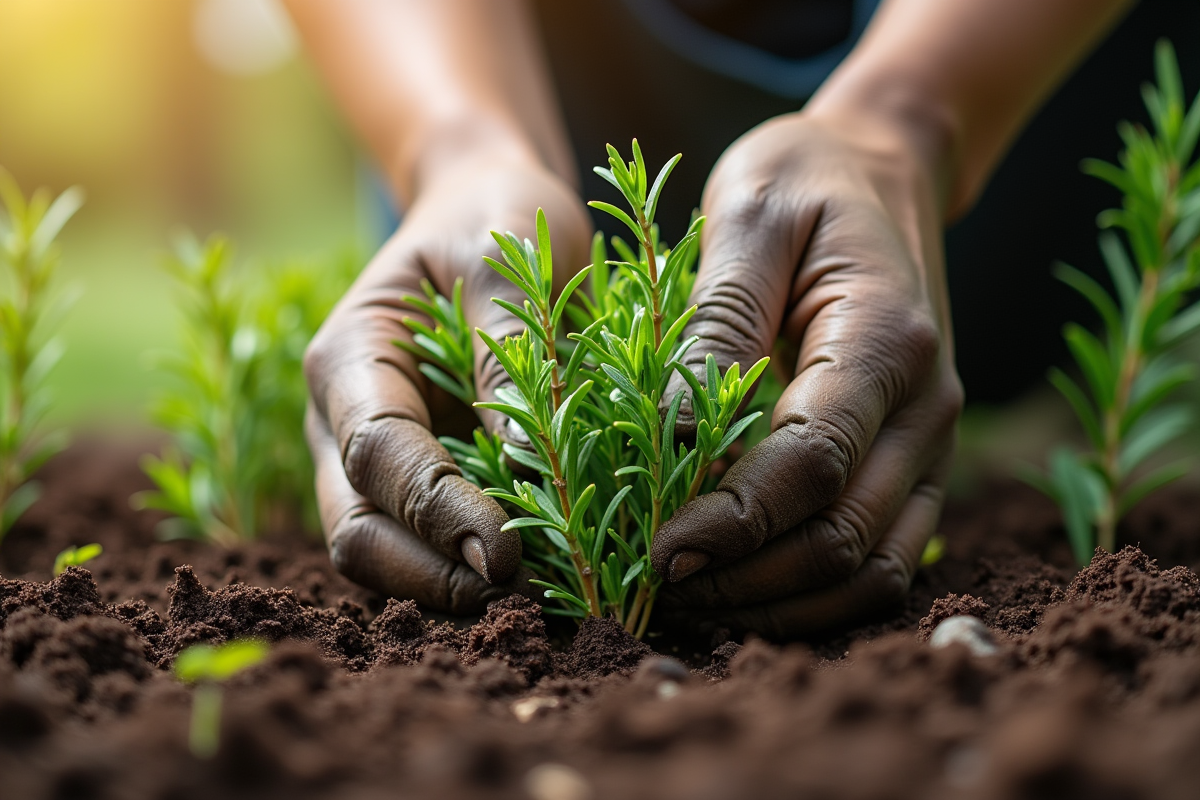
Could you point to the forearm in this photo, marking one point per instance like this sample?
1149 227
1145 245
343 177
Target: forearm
960 79
430 83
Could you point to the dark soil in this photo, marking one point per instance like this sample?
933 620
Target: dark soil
1094 693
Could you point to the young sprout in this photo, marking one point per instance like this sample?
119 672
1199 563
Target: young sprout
206 666
75 557
609 471
1130 370
30 314
237 463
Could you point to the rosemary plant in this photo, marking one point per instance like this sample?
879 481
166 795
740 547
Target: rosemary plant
611 471
237 464
30 313
1130 370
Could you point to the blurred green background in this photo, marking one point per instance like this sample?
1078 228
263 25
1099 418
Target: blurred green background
194 113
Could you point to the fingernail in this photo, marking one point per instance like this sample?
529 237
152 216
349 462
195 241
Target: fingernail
472 550
685 563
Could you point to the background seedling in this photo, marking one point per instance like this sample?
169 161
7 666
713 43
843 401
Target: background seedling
75 557
237 464
206 666
1130 370
30 313
589 404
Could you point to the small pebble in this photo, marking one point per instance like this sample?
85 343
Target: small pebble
557 782
669 668
966 630
527 709
515 433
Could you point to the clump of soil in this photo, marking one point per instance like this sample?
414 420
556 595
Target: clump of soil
1094 692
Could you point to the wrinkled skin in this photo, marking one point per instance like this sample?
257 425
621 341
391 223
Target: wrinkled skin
832 241
397 513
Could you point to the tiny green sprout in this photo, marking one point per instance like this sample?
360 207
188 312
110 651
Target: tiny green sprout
75 557
1130 369
206 666
935 548
608 470
31 312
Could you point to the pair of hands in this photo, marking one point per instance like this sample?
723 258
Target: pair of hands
816 235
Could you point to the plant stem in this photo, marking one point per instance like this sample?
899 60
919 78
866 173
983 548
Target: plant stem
204 735
1131 365
639 600
652 263
556 386
698 481
645 623
587 576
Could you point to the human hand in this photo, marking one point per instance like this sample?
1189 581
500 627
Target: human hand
827 234
398 516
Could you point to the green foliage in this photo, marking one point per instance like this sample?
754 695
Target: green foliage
75 557
30 314
237 464
1130 370
206 665
609 470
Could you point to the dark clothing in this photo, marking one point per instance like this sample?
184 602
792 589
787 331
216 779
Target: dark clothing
691 76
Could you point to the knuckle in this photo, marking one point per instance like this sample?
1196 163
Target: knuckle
360 452
919 338
838 544
345 543
891 579
317 357
948 403
825 454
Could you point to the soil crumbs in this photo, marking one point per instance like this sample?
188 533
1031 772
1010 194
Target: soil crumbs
1094 691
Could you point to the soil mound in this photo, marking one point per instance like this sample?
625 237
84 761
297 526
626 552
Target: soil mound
1094 690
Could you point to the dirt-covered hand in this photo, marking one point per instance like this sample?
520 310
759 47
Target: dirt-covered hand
397 513
828 236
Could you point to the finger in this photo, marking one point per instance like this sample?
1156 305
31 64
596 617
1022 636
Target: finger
569 226
830 546
863 356
751 248
373 549
881 581
363 386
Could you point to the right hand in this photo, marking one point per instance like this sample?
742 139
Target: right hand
398 516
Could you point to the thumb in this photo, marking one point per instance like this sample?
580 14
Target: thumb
750 249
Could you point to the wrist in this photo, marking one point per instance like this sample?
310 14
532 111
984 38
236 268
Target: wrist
441 148
895 113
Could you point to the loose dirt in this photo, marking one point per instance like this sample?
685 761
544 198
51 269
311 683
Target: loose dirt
1094 692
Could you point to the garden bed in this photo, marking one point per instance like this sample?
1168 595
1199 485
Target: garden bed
1095 690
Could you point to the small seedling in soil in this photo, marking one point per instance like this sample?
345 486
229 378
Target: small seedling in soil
30 314
1130 370
237 464
584 409
206 666
75 557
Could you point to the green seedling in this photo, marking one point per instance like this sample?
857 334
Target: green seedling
237 464
30 314
588 405
75 557
1130 370
206 666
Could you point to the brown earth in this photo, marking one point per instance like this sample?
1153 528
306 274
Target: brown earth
1094 693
